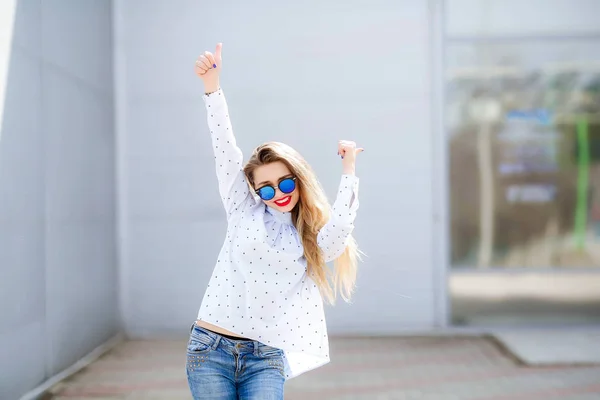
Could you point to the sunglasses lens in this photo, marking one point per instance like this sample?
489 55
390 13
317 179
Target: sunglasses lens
287 185
266 192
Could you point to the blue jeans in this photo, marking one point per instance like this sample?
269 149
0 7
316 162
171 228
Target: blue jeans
224 369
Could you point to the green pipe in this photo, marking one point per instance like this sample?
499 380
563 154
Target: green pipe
583 177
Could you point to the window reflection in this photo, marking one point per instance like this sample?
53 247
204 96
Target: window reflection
524 133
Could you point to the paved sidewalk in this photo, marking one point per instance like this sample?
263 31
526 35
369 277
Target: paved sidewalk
423 368
550 347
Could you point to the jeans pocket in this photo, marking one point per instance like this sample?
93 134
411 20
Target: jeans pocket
272 357
265 351
195 346
198 348
200 342
195 361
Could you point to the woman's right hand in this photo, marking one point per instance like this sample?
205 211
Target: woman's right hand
208 68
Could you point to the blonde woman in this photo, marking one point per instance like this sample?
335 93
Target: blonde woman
261 320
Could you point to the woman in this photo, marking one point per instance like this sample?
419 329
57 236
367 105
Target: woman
261 320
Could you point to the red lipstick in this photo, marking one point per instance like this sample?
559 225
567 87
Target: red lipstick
283 201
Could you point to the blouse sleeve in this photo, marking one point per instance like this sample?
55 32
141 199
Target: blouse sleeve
233 186
333 237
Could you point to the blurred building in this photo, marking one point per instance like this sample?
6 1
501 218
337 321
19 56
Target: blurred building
480 183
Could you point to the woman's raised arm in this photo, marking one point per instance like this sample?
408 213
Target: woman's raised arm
233 186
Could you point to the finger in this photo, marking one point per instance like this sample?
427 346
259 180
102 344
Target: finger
203 62
348 145
210 58
218 52
200 68
200 65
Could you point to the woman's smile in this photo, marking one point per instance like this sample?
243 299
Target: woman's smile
284 201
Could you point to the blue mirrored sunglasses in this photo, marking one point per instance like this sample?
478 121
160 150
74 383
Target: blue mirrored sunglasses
267 192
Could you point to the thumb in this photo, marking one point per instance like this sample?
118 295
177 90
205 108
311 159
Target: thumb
359 150
218 51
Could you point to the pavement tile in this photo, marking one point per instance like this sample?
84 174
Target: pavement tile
401 368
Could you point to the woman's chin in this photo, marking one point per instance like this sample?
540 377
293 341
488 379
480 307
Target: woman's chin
287 208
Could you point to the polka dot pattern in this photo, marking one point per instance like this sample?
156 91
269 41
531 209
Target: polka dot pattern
260 288
333 237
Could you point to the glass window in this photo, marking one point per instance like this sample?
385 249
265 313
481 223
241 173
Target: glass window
523 119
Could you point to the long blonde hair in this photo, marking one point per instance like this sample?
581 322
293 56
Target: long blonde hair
310 214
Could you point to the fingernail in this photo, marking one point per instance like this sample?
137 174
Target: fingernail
214 65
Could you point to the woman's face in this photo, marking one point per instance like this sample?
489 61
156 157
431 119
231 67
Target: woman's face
271 175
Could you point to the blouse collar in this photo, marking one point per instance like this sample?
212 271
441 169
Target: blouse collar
283 217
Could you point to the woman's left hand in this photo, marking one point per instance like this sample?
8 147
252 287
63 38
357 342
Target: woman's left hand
348 150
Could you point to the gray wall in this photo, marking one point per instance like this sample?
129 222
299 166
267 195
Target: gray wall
306 73
58 272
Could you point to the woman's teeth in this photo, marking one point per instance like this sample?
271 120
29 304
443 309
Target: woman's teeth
284 201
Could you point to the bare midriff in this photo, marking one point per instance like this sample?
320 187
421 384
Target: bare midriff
216 329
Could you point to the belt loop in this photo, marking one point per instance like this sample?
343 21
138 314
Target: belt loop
192 327
256 352
217 341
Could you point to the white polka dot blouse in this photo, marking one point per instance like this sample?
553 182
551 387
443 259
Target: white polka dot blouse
259 288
